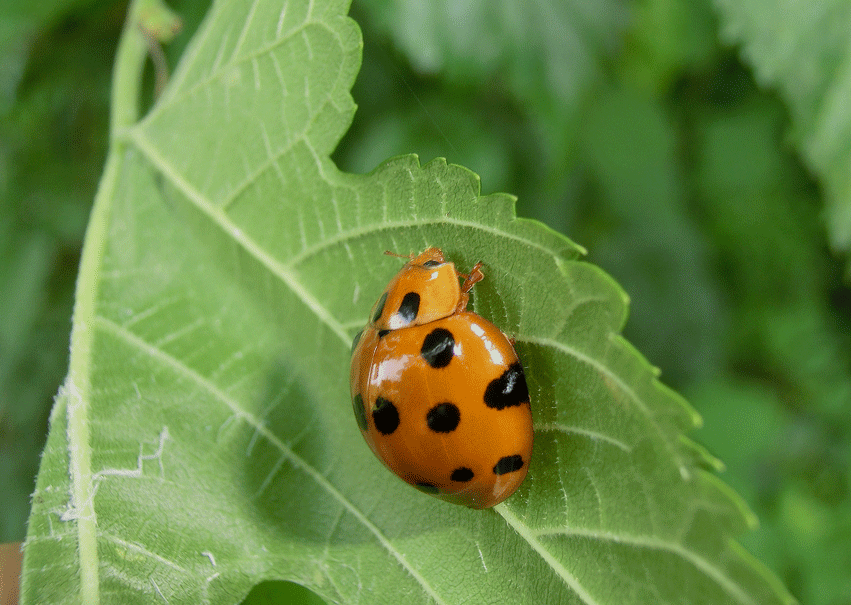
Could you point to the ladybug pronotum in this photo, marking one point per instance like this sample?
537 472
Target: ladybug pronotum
438 391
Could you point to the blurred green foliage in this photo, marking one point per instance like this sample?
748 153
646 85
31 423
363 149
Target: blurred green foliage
53 120
626 125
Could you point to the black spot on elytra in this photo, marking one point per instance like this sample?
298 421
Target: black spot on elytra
507 390
443 418
356 340
508 464
385 416
383 333
432 263
438 347
360 413
427 488
409 307
379 309
462 474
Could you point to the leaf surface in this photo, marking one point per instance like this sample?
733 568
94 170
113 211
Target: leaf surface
204 440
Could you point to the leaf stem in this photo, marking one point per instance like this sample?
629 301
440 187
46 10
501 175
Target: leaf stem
127 76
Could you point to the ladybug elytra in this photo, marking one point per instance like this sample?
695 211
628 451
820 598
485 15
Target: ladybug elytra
438 391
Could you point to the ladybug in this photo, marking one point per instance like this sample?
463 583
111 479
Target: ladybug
438 391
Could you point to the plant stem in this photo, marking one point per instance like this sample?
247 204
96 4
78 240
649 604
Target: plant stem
127 76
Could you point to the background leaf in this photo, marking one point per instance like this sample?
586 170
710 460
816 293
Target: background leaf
204 431
802 50
469 40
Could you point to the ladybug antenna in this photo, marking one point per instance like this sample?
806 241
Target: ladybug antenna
408 256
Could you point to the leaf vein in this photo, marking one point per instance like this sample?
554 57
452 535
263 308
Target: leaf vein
617 380
387 225
252 175
218 71
651 543
531 538
593 435
243 34
220 218
141 550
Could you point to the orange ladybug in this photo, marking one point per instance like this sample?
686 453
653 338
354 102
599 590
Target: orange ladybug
438 392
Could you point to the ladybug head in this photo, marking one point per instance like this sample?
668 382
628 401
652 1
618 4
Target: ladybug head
424 290
431 257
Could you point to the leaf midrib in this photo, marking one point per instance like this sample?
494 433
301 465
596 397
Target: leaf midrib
227 226
130 57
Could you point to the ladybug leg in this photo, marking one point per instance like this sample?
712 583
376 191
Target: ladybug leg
473 277
470 279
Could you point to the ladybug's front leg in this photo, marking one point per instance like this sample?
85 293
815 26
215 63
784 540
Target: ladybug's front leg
470 279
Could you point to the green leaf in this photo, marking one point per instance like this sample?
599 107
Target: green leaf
203 441
801 48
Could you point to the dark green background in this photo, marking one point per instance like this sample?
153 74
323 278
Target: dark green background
639 135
